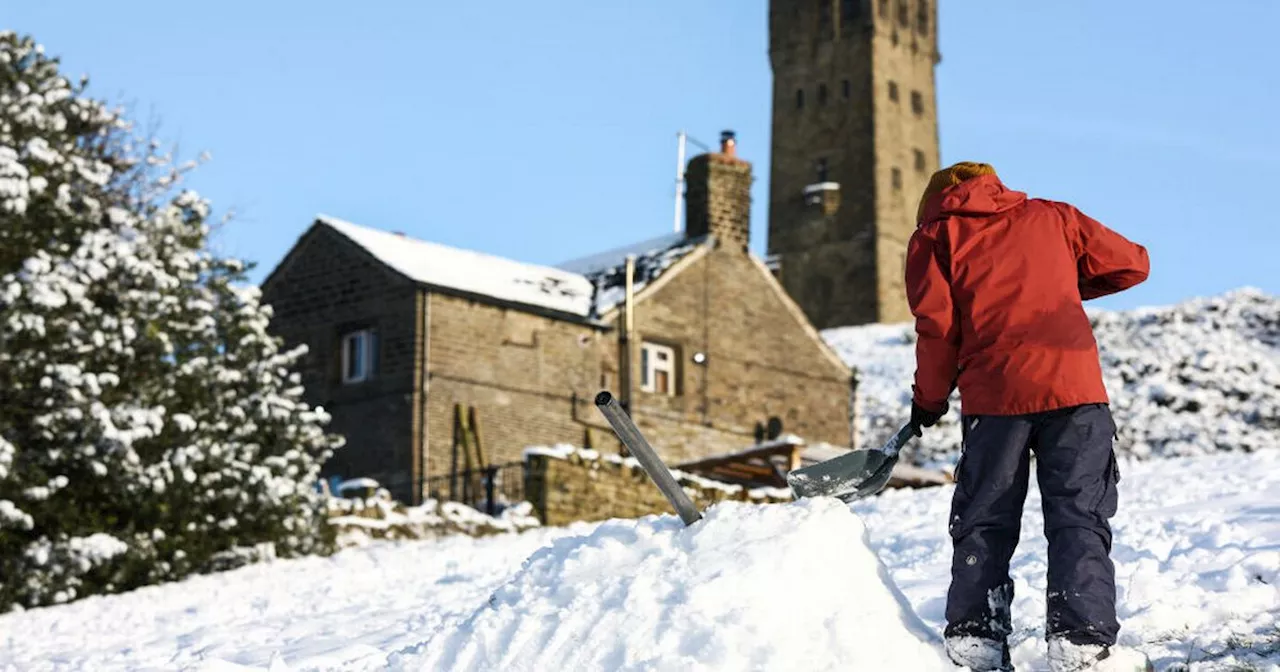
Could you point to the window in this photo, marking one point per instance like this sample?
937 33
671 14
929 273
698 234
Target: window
358 350
897 178
849 10
822 94
920 167
845 91
922 18
904 14
824 19
821 167
657 369
893 91
884 8
917 102
799 99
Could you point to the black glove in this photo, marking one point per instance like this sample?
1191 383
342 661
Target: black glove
921 417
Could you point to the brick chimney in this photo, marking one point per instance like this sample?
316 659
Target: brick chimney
718 196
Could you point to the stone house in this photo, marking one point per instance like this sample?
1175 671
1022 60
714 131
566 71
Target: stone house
705 349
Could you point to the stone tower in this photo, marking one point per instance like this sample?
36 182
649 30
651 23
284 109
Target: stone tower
855 139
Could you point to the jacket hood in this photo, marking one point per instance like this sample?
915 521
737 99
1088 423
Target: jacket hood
977 196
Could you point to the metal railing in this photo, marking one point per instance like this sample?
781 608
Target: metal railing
489 489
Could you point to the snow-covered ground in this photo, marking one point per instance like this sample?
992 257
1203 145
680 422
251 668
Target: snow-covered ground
1197 543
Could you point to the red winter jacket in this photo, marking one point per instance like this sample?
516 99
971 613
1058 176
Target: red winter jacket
995 281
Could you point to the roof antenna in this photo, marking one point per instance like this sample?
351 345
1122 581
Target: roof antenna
680 143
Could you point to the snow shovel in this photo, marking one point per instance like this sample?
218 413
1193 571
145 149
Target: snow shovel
854 475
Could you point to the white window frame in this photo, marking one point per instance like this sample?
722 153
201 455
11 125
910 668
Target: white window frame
650 366
365 352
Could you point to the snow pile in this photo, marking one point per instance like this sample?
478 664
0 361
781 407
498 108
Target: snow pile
1190 379
1196 544
788 586
358 521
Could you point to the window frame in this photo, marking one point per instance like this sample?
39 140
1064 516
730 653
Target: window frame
368 339
649 367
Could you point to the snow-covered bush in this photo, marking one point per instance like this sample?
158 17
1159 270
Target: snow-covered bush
149 425
1189 379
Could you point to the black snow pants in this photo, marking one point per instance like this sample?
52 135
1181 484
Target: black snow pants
1077 473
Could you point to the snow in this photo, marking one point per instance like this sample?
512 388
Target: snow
360 521
1190 379
610 259
1197 545
651 594
475 272
1197 552
588 287
650 264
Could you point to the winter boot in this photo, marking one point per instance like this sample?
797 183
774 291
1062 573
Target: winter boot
1064 656
979 654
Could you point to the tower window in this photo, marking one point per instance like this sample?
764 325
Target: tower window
893 91
884 8
897 178
920 167
844 89
849 12
904 14
824 19
922 17
799 99
822 94
917 102
821 166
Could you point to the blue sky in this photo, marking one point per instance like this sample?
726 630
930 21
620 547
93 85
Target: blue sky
546 131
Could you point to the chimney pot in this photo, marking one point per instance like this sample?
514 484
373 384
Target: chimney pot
728 143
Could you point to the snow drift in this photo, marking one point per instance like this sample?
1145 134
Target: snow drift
1191 379
781 586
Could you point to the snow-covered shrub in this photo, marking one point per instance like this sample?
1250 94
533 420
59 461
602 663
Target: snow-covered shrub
1188 379
149 425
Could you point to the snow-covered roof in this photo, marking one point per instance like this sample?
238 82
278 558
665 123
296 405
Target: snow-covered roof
473 272
602 261
654 257
588 287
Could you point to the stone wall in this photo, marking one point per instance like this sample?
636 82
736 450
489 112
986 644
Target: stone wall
759 360
325 288
530 378
568 485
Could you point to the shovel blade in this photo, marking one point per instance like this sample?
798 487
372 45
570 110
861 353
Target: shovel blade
851 476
